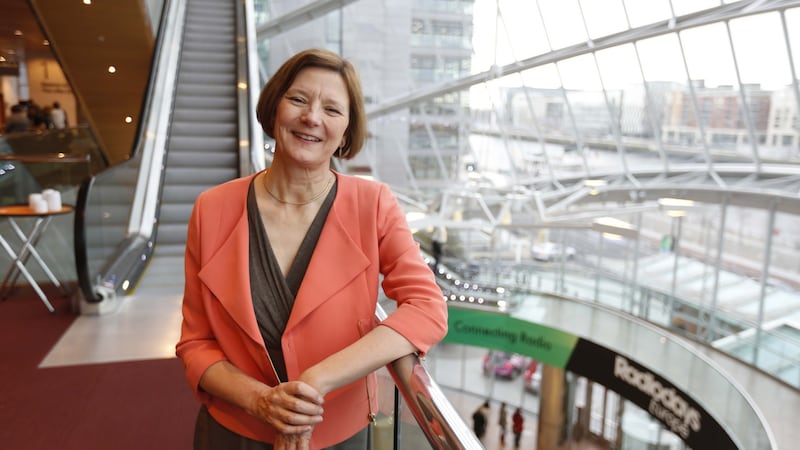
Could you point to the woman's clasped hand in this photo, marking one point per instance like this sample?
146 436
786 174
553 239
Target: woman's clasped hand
292 407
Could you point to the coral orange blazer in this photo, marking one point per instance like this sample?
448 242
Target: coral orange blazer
364 237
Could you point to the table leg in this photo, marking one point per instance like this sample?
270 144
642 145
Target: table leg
21 267
11 276
10 280
29 248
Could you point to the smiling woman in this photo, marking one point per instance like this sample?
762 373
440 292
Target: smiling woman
278 259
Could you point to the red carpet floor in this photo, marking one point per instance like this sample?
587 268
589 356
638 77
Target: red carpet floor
142 405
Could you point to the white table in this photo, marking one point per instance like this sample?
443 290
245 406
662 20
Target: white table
27 249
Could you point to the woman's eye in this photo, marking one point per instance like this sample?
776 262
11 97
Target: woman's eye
333 111
296 100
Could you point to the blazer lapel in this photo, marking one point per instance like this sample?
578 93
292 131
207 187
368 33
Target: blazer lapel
333 265
227 275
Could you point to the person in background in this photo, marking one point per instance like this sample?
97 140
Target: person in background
18 120
517 424
479 419
438 240
502 423
44 121
282 272
58 117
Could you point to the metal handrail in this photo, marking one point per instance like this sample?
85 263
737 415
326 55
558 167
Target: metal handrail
435 415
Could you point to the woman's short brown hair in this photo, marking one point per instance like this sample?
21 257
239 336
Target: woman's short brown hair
279 83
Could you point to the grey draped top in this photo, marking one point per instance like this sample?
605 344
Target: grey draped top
273 295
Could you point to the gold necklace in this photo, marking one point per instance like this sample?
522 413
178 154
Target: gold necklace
287 202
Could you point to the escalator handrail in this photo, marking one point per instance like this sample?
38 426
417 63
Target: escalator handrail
251 137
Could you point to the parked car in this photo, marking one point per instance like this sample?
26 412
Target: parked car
504 365
551 251
532 379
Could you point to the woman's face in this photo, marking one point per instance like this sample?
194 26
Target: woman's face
312 117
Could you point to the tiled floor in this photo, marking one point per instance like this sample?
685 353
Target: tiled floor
146 326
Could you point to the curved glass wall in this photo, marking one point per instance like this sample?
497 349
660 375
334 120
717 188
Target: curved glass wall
544 115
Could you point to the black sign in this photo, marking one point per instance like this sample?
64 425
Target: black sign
674 408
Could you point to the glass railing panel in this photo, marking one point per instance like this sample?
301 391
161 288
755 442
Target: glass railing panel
688 369
423 415
104 222
57 159
413 405
774 350
33 162
648 346
383 428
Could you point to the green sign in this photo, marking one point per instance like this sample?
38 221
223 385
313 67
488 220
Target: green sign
502 332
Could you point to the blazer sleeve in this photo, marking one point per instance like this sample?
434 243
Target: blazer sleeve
421 314
197 347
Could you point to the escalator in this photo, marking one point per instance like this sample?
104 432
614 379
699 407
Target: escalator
135 215
203 138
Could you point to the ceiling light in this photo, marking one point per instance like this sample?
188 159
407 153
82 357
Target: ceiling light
45 42
17 32
675 202
594 183
613 222
112 69
613 228
87 2
128 119
675 207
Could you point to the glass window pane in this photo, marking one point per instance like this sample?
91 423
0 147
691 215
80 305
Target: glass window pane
543 77
665 74
564 24
604 18
483 39
637 114
683 7
786 243
761 50
645 12
618 67
579 73
708 55
793 26
543 103
764 67
661 59
517 34
522 34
